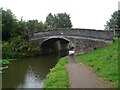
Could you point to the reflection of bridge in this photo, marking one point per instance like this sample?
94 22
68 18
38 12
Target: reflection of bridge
82 39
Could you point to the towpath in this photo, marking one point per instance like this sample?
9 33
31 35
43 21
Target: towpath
82 76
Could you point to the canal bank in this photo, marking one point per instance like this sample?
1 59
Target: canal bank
104 64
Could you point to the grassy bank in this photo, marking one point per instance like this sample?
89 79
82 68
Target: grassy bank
104 61
58 76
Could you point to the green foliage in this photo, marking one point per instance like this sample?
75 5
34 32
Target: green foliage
11 27
60 20
114 21
17 47
4 62
21 30
15 35
58 76
6 51
8 24
34 26
104 61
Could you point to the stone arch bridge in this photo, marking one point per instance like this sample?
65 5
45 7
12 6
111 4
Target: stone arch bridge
82 40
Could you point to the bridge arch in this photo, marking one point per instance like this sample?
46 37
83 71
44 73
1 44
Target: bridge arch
56 38
56 43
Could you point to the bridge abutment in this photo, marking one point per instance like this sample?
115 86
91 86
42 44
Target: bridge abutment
83 45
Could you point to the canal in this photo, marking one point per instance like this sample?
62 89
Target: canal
30 72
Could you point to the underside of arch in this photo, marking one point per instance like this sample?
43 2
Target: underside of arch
55 44
55 38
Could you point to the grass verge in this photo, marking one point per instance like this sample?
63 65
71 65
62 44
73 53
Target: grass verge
58 76
104 61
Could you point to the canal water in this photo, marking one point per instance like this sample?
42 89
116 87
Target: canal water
28 73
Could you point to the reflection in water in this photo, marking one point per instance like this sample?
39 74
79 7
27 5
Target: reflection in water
31 80
28 73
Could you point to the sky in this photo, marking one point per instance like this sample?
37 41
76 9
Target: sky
90 14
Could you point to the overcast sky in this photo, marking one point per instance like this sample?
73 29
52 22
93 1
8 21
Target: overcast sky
91 14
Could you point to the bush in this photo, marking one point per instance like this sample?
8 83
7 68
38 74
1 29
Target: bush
17 48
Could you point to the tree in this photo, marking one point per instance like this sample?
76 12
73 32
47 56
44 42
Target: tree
114 21
34 26
50 20
14 35
41 26
60 20
8 24
31 25
21 29
118 21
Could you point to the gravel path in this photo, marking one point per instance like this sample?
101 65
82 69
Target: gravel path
81 76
